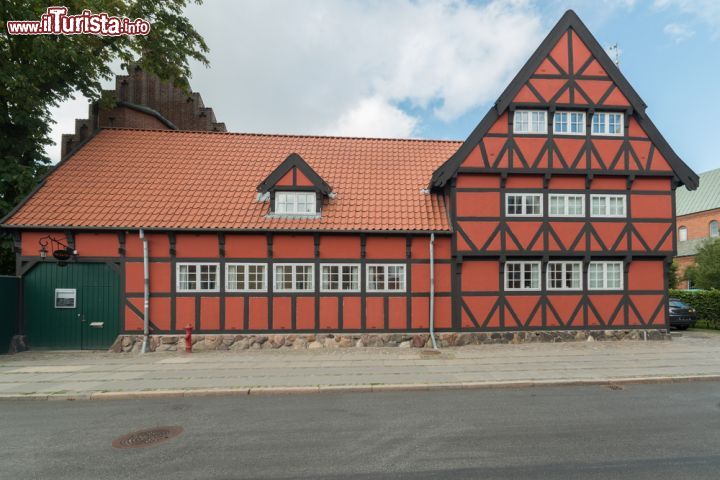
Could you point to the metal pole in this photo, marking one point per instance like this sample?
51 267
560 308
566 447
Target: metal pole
432 290
146 292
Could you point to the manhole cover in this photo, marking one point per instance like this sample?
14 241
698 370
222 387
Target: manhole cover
614 387
145 438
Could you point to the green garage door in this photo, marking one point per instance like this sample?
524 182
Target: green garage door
72 307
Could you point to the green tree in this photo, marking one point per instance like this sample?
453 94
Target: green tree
705 273
673 275
39 72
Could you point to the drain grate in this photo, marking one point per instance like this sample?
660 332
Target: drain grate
146 438
612 386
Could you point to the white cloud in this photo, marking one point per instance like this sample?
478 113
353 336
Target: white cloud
331 67
373 117
678 32
705 12
64 116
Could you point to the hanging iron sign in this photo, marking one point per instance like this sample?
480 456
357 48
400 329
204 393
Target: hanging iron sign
62 255
60 251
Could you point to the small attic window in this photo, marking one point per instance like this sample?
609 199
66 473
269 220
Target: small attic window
295 203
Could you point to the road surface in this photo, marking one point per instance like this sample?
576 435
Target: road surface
669 431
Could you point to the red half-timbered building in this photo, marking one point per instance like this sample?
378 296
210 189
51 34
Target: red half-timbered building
556 213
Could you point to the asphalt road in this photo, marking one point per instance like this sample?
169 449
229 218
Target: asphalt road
641 431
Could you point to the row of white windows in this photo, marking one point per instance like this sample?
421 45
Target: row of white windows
564 276
289 277
568 123
564 205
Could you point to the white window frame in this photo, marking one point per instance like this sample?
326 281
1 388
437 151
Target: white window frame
65 291
246 282
563 270
340 288
294 277
594 198
524 204
197 288
523 266
283 211
387 279
604 265
569 122
682 234
711 224
566 199
530 130
606 124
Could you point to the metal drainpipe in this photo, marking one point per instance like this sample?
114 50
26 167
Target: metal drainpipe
432 290
146 292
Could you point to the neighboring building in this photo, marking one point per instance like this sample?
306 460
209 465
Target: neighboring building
555 214
698 217
142 100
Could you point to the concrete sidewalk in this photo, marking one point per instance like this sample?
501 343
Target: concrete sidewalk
691 355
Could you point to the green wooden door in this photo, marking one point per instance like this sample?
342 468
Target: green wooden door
72 307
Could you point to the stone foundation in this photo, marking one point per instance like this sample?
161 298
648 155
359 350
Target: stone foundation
18 343
163 343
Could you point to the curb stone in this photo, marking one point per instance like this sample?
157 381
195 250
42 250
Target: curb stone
377 388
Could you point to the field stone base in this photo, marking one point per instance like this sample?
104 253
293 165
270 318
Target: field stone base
297 341
18 343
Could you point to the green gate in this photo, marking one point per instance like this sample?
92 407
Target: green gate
8 310
72 307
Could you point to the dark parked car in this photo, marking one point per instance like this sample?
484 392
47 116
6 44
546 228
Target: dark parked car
682 315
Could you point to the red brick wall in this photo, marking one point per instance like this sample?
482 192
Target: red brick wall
698 224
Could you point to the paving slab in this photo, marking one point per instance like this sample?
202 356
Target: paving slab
103 375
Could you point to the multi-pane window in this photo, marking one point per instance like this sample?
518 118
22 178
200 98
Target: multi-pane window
382 278
682 234
606 123
607 205
564 275
336 277
522 276
197 277
714 228
567 205
246 277
605 275
295 203
569 123
530 121
523 204
294 277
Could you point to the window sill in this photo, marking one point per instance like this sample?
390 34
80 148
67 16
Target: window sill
293 216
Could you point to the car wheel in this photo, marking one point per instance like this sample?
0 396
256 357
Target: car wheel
682 327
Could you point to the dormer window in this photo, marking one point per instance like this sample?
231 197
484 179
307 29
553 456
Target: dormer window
295 189
295 203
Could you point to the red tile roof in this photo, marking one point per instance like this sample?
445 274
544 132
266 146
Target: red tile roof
125 178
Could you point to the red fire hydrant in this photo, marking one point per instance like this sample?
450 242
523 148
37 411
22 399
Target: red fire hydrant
188 338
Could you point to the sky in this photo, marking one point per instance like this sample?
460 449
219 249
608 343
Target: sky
431 69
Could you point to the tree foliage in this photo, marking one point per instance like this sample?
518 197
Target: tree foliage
39 72
673 275
705 273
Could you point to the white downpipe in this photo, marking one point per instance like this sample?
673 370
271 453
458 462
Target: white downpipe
146 292
432 290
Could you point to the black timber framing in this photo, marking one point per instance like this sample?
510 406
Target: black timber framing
569 22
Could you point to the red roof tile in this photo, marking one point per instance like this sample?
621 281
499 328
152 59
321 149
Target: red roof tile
126 178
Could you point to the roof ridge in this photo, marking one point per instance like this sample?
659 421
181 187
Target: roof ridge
287 135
